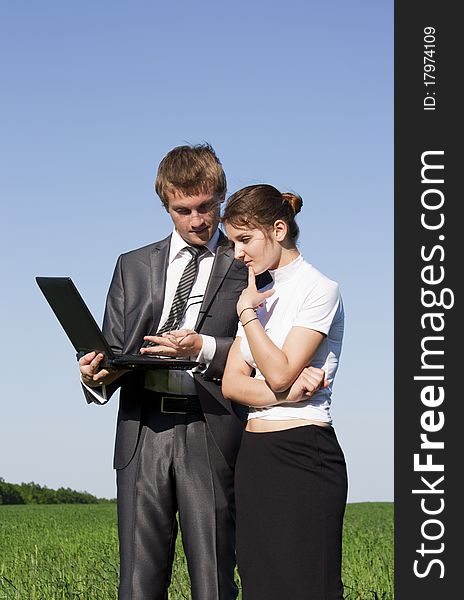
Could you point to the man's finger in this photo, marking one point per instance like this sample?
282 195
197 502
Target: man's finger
87 359
95 363
170 339
98 378
180 333
188 341
161 350
165 341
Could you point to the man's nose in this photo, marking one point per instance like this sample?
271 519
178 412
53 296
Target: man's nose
197 220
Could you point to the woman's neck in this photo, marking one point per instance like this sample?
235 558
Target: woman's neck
287 256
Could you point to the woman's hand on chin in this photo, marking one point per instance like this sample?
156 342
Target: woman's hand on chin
250 296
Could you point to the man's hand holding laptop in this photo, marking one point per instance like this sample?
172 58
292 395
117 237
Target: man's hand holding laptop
179 343
93 375
172 344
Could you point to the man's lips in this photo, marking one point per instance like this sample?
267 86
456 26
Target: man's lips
197 231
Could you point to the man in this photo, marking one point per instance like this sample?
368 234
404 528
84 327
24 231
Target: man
177 436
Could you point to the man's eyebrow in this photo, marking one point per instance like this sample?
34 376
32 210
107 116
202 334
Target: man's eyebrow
205 204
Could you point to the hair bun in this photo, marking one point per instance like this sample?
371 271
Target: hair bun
295 201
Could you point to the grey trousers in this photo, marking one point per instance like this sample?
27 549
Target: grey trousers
177 468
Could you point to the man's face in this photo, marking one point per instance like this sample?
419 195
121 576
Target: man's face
195 217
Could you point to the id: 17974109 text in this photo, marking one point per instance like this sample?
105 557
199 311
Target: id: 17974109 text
430 99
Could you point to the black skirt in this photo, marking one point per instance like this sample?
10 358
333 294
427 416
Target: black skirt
290 489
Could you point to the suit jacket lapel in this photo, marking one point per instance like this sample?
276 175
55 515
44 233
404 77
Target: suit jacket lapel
221 265
159 265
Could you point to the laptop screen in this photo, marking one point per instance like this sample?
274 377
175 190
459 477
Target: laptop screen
74 315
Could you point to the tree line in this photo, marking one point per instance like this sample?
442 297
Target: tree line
33 493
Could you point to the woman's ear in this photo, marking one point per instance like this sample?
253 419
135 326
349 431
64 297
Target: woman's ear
280 230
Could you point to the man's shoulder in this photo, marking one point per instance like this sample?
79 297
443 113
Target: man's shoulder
146 250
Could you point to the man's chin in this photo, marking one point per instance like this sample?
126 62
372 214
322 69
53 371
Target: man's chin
199 238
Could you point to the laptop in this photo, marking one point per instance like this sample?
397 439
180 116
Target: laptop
86 336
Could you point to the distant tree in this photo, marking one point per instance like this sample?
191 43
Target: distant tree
10 493
33 493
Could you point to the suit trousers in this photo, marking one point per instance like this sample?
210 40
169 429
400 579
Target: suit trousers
290 489
177 468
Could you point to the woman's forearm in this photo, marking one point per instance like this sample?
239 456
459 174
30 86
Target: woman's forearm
246 390
271 360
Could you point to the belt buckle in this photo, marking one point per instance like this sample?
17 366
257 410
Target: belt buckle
172 412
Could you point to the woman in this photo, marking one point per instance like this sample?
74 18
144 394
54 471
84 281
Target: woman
290 475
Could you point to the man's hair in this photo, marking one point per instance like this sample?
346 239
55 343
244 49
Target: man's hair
192 170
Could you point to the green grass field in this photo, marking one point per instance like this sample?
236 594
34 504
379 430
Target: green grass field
63 552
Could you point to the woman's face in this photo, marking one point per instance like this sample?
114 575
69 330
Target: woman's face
255 247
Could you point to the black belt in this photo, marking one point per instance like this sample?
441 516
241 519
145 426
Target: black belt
170 404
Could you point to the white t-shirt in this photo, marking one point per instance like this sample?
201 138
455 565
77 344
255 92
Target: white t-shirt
303 297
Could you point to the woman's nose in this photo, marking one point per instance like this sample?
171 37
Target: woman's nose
239 253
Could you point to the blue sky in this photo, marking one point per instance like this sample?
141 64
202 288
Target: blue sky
298 94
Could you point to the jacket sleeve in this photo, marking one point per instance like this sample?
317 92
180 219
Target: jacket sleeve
113 330
113 319
217 365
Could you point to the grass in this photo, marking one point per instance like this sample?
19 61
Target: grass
64 552
367 569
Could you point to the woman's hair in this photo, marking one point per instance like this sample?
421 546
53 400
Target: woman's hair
261 206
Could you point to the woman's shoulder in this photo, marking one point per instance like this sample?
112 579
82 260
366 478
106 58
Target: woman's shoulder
313 279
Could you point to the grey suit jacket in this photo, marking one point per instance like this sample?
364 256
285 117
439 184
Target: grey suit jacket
133 310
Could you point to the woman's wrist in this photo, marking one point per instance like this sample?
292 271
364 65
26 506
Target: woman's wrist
242 310
250 320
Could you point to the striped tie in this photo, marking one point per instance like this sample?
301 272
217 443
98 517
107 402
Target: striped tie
183 290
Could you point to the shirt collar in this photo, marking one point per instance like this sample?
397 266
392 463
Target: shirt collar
286 273
178 244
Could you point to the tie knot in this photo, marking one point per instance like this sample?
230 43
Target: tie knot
196 251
